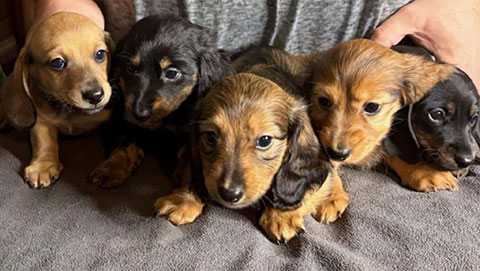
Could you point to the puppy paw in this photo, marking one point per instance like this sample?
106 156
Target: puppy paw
332 208
108 175
431 180
42 173
281 226
113 172
180 208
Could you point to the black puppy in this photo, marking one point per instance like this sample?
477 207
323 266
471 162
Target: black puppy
162 66
439 134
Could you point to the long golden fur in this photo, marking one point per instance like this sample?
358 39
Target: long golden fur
51 101
237 112
356 88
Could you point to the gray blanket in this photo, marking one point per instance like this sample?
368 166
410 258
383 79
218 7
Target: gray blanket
77 226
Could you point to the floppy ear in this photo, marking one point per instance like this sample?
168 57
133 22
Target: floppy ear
302 166
14 98
419 75
213 66
399 141
197 182
111 48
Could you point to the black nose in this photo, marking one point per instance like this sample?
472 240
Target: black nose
463 160
93 96
339 155
230 194
142 114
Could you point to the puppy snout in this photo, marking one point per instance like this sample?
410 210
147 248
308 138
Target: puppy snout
464 160
142 113
93 96
339 154
232 193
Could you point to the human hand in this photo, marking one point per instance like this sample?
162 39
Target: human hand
448 29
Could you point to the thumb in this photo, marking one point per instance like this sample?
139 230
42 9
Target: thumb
395 28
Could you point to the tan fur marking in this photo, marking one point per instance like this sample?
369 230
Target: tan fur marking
119 165
284 225
422 178
136 59
335 204
180 207
165 62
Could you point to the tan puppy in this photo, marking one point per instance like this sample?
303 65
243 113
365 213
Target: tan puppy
59 84
356 88
252 142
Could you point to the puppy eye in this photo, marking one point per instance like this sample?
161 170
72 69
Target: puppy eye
325 102
100 56
172 74
58 64
437 115
371 108
264 142
473 120
211 138
130 68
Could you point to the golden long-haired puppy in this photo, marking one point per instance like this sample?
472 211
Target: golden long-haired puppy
356 89
59 84
252 142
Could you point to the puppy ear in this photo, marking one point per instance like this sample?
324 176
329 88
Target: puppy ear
14 98
111 48
197 182
419 75
302 166
213 66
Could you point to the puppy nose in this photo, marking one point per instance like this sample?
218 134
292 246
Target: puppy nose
93 96
339 155
230 194
463 160
142 114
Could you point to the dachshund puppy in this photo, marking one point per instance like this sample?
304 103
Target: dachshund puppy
252 141
437 134
59 84
162 65
356 89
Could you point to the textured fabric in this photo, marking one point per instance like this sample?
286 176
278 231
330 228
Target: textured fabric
299 26
77 226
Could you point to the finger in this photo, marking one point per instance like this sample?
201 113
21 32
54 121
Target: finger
395 28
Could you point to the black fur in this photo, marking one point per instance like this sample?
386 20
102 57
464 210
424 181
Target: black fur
301 169
448 140
191 50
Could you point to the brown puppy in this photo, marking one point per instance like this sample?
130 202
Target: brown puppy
356 88
59 84
253 141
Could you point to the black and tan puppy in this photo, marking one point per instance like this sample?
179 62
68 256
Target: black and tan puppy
252 141
59 84
162 65
437 134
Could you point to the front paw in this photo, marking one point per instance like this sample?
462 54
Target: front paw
42 173
108 175
115 170
281 226
180 208
430 180
332 208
